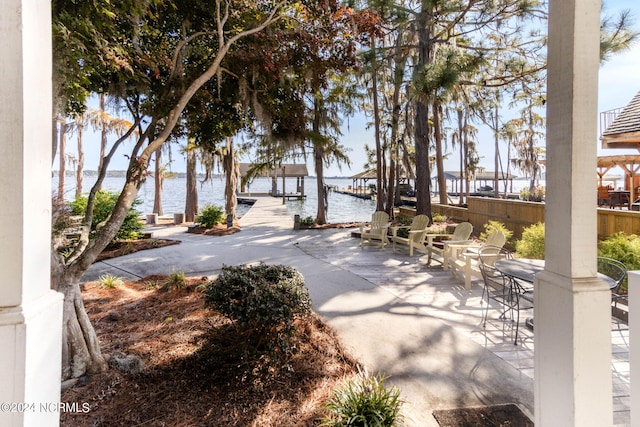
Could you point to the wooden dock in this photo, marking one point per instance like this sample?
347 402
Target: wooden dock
361 194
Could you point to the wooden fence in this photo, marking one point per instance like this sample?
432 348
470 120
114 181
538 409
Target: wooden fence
517 215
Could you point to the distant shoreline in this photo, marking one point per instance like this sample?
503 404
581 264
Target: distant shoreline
169 175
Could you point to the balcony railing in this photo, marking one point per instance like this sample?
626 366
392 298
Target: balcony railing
607 117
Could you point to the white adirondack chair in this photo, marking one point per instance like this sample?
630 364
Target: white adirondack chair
441 249
417 234
464 259
375 233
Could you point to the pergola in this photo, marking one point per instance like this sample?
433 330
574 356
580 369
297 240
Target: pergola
630 163
289 170
360 179
481 176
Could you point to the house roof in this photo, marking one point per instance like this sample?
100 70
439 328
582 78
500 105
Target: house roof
624 130
290 170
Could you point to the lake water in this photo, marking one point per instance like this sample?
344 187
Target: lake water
341 207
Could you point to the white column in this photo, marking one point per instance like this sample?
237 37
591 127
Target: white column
634 353
573 313
30 313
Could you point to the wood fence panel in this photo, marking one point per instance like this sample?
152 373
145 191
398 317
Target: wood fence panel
516 215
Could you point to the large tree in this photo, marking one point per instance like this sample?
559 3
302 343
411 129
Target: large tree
138 51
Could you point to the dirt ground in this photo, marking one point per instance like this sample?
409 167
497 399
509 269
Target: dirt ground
182 365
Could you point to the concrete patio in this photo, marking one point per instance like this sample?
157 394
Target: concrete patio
415 324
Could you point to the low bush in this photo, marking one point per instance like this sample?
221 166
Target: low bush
175 280
364 401
404 221
439 218
308 221
110 281
533 195
531 245
105 201
210 216
493 226
622 247
264 300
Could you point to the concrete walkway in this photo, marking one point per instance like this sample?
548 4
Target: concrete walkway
419 326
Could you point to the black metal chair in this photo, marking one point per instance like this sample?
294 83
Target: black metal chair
511 294
617 272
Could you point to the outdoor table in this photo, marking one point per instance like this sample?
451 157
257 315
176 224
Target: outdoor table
526 269
520 268
620 198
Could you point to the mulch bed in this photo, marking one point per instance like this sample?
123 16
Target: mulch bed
124 247
217 230
192 373
330 226
483 416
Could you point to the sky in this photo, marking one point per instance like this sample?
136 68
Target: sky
619 81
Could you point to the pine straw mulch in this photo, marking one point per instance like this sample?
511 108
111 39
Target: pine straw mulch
124 247
191 372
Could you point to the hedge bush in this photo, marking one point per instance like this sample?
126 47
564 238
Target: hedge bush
264 300
531 245
210 216
105 201
493 226
622 247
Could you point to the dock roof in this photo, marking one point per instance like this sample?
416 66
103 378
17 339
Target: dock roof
291 170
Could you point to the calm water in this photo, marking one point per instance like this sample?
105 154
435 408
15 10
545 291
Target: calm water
341 208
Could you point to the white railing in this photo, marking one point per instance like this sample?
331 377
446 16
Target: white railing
634 355
607 117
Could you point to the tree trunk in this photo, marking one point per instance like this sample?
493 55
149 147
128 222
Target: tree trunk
103 135
461 143
80 171
232 173
321 216
54 139
421 127
318 163
191 204
393 198
496 156
158 180
61 160
442 182
376 121
80 347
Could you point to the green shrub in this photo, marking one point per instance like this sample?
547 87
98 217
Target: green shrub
264 300
364 401
308 221
493 226
105 201
175 280
110 281
439 218
404 220
532 243
535 195
622 247
210 216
